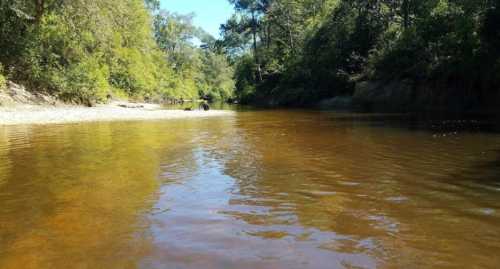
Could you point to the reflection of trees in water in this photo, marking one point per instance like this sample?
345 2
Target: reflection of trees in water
195 139
78 191
368 182
20 210
287 183
5 144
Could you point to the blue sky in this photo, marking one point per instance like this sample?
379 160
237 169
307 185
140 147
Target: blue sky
210 14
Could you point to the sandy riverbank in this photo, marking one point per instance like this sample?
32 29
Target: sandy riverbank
19 106
112 112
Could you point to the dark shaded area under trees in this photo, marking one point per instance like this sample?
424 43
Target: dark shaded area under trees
385 54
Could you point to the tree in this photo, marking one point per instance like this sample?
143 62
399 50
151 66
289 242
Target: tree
252 12
84 50
313 49
203 71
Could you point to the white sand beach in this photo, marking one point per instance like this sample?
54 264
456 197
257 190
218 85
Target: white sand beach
112 112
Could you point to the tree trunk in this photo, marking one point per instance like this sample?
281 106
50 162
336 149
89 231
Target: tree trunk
268 30
255 50
406 14
40 9
290 34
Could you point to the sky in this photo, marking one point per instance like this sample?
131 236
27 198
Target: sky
210 14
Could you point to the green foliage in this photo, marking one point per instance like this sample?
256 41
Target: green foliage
315 49
216 77
84 81
203 72
84 50
245 80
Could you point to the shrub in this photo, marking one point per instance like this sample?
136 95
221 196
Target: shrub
85 82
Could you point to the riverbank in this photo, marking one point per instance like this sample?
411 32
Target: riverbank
111 112
20 106
405 96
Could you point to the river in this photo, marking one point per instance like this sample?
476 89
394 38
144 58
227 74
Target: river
258 189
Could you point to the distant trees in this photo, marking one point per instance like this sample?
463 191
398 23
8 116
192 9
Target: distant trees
202 70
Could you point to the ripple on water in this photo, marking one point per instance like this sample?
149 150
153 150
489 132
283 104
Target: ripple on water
487 211
397 199
331 193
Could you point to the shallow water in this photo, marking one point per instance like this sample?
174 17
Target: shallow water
260 189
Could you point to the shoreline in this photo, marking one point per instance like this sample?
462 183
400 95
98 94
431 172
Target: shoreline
43 115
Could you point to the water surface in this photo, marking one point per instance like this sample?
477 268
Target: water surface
260 189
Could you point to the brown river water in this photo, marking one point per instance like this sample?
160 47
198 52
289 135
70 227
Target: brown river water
259 189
